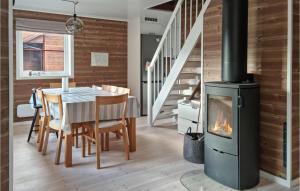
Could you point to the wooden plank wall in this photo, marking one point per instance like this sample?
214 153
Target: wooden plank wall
4 95
98 36
267 43
295 87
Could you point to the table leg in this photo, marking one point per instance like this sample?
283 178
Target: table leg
68 150
132 134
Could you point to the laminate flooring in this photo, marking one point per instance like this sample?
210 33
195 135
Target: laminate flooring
156 165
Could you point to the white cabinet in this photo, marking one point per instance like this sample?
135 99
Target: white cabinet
188 113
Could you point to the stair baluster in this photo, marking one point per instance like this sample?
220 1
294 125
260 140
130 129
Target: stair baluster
174 51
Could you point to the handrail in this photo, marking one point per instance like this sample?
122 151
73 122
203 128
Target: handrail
169 52
161 43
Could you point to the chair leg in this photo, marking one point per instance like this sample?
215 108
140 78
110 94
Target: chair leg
98 150
118 134
76 136
107 141
40 130
126 143
73 133
46 140
42 140
90 132
102 141
83 141
32 124
58 147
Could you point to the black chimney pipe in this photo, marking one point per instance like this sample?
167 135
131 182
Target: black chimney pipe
234 40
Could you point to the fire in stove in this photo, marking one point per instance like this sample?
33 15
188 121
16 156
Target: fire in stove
222 126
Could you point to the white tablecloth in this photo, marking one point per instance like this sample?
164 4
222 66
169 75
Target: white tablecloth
79 106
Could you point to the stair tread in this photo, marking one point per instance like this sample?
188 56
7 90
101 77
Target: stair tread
183 86
169 107
165 115
196 70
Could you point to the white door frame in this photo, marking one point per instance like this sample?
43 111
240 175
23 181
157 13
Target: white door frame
11 91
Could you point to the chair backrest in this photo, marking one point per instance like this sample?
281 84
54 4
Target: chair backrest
122 90
40 95
54 99
34 97
97 87
112 100
59 85
110 88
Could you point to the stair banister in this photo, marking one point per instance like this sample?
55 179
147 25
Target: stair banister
167 62
150 68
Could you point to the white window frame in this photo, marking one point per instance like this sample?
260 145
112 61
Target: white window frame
30 75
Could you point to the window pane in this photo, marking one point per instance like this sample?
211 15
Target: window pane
33 60
43 51
32 53
54 61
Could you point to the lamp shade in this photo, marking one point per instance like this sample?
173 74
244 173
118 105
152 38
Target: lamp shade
74 24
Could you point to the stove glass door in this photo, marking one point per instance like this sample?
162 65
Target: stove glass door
220 116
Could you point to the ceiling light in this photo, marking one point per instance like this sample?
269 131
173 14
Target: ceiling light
74 24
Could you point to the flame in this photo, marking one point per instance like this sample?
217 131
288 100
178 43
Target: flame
222 125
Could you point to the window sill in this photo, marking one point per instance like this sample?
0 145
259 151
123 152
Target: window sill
42 77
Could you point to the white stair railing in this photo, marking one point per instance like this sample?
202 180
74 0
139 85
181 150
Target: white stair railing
180 25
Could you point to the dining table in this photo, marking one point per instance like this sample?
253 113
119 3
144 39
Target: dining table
79 107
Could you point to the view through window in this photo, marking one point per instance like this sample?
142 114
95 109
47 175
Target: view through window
43 54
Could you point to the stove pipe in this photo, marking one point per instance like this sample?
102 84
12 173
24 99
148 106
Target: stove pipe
234 40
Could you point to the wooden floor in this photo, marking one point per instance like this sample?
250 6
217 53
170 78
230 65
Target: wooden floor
157 165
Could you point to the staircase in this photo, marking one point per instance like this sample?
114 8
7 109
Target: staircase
176 64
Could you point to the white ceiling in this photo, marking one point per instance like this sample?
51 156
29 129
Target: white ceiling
107 9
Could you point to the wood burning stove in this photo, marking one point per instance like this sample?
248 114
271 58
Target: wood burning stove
231 133
231 119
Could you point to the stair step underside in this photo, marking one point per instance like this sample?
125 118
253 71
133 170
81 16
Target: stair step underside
189 76
192 64
196 52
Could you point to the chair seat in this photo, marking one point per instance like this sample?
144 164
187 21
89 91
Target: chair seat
105 124
55 124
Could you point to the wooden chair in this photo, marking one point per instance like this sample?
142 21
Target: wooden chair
59 85
110 88
44 120
121 90
74 130
97 87
36 116
54 124
96 131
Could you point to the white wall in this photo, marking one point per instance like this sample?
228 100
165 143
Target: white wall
155 28
134 56
136 27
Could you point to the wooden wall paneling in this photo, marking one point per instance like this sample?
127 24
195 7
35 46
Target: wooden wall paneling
98 36
295 89
267 45
4 95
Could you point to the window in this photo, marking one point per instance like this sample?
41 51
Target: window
43 55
